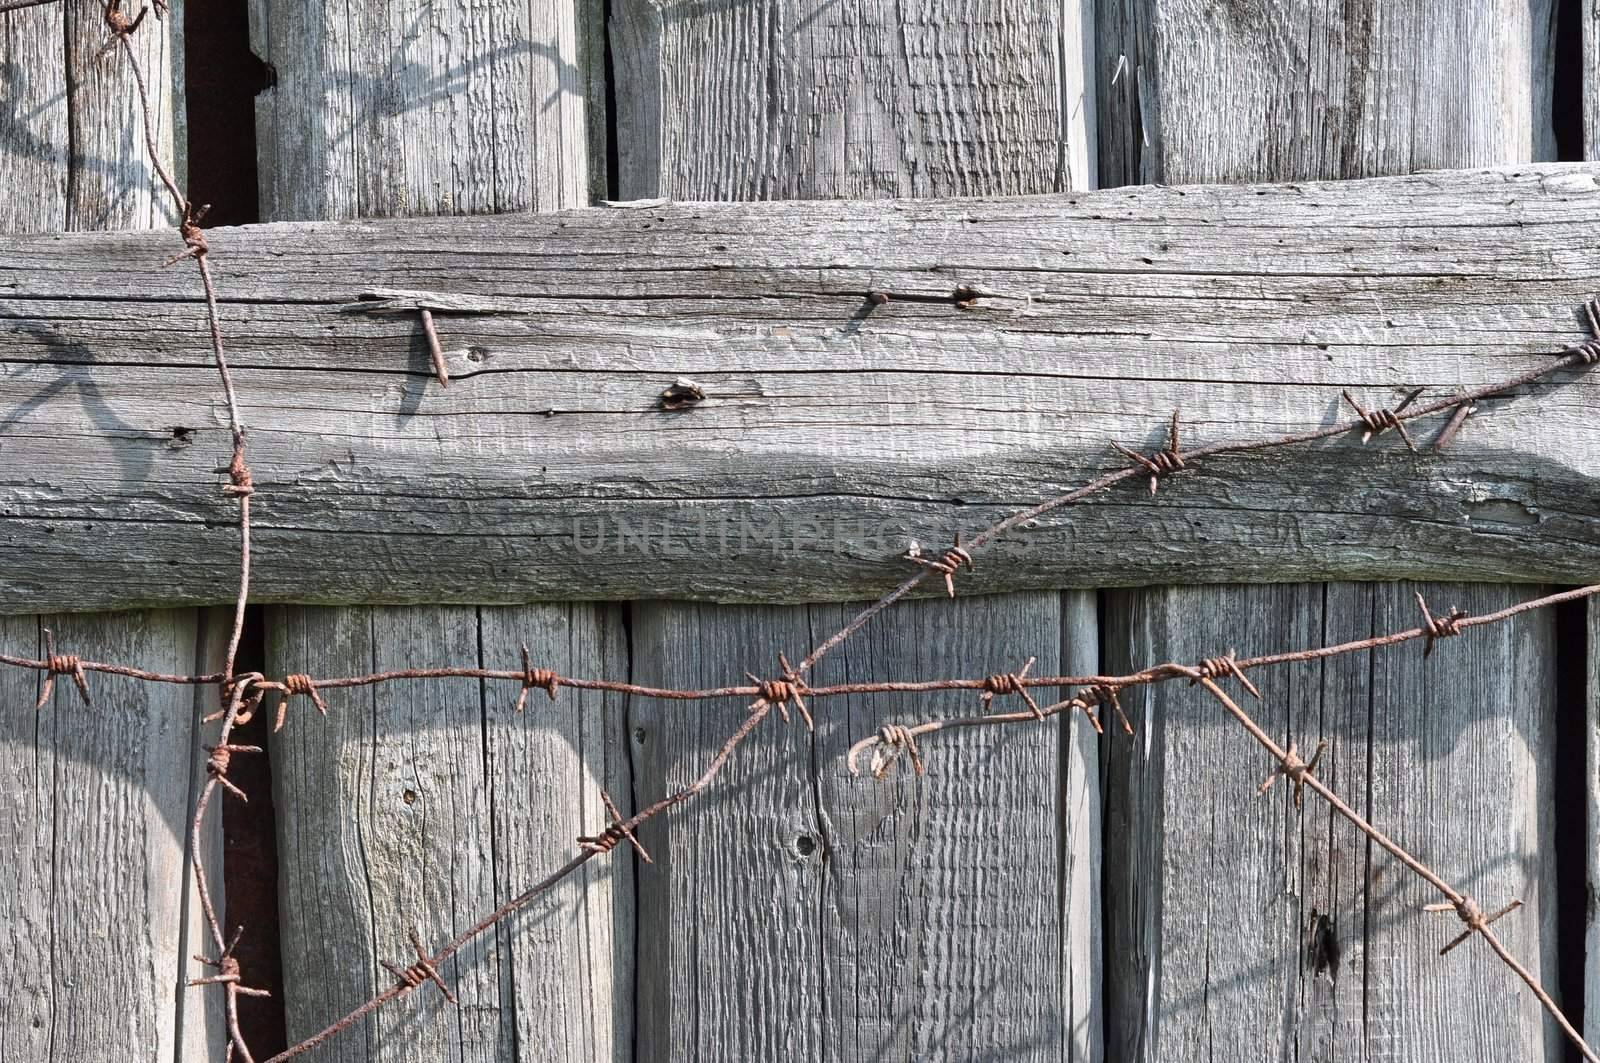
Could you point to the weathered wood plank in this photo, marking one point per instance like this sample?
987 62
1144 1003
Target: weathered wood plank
422 805
95 820
789 101
1589 19
94 816
419 108
831 435
1220 918
428 108
1191 90
799 907
867 100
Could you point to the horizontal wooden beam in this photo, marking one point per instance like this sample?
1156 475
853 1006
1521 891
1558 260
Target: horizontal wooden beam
1021 336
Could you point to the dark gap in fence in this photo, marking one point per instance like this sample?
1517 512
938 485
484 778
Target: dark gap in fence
1571 813
1568 98
613 181
630 743
250 863
221 79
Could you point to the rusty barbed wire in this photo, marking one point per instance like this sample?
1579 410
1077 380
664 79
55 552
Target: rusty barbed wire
242 694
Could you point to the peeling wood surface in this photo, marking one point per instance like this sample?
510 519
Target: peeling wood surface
1214 913
546 468
407 108
1194 90
782 100
425 804
801 911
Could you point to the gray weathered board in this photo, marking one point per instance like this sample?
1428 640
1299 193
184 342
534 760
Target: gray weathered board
424 805
1233 907
831 435
1293 90
812 914
94 823
1215 949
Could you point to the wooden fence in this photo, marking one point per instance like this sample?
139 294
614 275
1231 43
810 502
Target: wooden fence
1037 895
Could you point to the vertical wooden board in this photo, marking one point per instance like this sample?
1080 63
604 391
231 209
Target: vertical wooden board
110 183
94 822
866 99
853 100
1250 930
959 911
33 121
1203 882
382 812
427 108
730 945
1195 91
1461 774
424 804
1589 18
568 961
94 816
438 108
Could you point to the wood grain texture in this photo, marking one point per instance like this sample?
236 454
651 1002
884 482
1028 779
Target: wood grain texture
1248 90
411 109
425 804
72 149
1218 891
831 436
95 820
1589 20
428 108
865 99
798 910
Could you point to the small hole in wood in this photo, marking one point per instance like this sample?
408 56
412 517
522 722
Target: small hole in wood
409 797
805 844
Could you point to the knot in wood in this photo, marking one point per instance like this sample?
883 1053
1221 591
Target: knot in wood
947 564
